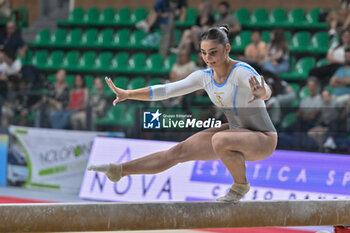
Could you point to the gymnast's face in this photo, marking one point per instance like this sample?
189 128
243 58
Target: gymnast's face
214 53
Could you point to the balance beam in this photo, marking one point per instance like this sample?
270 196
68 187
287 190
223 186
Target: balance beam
170 215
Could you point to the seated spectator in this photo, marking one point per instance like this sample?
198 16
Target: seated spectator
97 100
341 81
78 103
54 103
12 40
326 123
277 59
339 19
256 52
205 19
180 70
11 67
335 58
160 14
183 67
282 96
227 18
309 107
3 80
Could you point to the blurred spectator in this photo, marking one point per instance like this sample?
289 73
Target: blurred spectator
12 40
277 59
11 67
256 52
17 103
160 13
180 70
78 103
5 9
282 96
8 104
309 107
341 81
3 80
54 103
227 18
205 19
183 66
97 101
325 123
339 18
335 58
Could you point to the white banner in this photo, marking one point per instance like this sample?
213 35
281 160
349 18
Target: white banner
56 159
285 175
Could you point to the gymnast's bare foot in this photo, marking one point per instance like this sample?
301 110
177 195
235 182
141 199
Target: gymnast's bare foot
112 170
236 193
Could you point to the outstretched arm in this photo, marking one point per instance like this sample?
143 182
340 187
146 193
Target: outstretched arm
138 94
159 92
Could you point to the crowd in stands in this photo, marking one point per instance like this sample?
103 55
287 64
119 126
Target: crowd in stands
313 113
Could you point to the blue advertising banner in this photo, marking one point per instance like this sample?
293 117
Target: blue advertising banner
285 175
302 171
3 158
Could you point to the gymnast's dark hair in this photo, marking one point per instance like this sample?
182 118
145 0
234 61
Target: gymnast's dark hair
220 34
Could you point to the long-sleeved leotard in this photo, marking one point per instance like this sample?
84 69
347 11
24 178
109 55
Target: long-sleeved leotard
231 97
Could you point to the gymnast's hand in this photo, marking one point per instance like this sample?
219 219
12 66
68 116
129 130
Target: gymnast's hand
121 93
258 91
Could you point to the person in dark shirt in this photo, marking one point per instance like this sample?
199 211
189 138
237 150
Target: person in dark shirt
12 40
205 20
160 14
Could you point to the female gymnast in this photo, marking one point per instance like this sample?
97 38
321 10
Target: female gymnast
233 86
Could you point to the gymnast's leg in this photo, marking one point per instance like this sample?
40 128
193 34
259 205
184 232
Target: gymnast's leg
196 147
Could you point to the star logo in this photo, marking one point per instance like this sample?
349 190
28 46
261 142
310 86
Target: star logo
156 115
151 120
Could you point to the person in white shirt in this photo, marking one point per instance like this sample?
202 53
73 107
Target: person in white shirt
11 67
233 86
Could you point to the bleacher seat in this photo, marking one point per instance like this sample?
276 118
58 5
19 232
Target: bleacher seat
137 63
121 82
154 64
243 15
40 59
73 38
55 59
89 38
70 60
301 69
105 38
103 62
138 15
278 18
295 18
120 62
123 17
241 41
259 18
135 83
107 17
87 62
319 43
42 39
58 38
91 16
300 42
122 38
75 17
